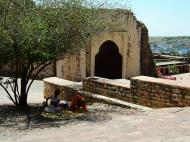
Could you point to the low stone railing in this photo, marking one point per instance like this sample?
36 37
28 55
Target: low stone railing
67 88
107 87
146 91
158 93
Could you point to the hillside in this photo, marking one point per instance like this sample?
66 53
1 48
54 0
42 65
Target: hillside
171 45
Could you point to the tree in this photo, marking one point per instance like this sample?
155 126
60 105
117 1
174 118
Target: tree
34 35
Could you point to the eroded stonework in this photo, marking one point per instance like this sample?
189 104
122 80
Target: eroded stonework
123 53
129 44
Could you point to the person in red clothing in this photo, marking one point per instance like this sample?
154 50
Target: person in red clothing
77 103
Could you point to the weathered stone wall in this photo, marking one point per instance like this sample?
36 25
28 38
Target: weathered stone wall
146 56
132 52
72 67
146 91
128 43
67 88
158 93
107 87
48 71
127 38
8 70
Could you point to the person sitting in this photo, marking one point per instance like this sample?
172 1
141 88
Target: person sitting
53 105
77 103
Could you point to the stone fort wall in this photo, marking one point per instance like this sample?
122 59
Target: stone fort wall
146 91
131 42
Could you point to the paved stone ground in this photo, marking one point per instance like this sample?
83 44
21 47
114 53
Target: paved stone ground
164 125
161 125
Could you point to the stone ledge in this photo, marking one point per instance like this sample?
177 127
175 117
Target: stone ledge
114 101
60 82
162 81
109 81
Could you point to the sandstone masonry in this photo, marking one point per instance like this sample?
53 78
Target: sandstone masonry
158 93
146 91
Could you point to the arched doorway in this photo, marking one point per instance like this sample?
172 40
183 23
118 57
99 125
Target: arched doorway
108 62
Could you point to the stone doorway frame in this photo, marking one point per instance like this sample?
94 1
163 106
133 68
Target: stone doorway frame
119 38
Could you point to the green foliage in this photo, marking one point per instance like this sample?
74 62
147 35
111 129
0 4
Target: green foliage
173 69
33 36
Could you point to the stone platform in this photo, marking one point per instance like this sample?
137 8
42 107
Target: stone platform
162 125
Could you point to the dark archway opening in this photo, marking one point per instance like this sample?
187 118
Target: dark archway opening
108 62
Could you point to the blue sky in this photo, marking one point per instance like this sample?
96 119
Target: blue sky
163 17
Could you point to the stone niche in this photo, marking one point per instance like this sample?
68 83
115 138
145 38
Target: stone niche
111 55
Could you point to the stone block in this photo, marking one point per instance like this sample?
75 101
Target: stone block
176 91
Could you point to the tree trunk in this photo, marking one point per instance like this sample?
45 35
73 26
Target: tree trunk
23 94
23 100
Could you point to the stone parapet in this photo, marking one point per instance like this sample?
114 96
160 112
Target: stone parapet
107 87
158 93
145 91
67 88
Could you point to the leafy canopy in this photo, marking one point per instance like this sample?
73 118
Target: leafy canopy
35 34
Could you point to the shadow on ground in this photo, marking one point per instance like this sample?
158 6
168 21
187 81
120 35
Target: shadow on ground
34 117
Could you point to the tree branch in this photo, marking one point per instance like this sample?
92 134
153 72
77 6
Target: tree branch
32 69
16 92
9 95
32 80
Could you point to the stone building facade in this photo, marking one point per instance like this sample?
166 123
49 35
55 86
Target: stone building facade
111 55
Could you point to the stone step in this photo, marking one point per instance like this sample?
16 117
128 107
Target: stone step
114 101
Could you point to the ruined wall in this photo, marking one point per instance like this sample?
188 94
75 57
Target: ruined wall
72 67
77 67
8 70
159 93
128 42
146 56
133 50
46 72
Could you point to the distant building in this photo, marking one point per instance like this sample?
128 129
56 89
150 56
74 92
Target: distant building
166 63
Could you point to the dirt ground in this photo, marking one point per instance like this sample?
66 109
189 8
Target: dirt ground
15 123
103 123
